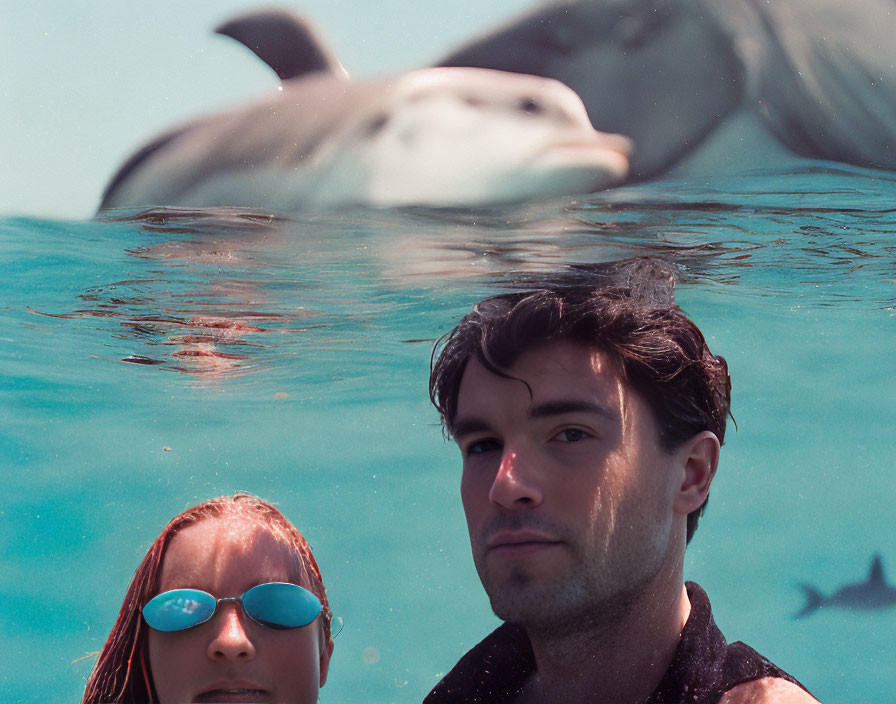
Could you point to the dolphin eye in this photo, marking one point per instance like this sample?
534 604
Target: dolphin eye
375 125
530 106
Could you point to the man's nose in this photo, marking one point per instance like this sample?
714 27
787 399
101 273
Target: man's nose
516 483
230 641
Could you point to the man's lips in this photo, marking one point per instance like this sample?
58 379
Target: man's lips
232 692
519 543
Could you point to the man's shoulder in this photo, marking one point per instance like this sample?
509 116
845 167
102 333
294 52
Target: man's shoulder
767 690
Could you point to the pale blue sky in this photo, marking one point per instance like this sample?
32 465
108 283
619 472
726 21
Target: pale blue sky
85 82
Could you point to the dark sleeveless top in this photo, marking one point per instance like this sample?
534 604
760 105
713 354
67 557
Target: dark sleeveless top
703 668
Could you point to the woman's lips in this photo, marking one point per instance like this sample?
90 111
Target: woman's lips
232 693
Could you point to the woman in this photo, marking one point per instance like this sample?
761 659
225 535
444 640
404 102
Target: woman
227 605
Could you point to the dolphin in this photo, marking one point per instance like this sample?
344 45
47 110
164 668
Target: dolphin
873 593
810 78
433 136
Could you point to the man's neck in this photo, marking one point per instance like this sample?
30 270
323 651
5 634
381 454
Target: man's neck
620 660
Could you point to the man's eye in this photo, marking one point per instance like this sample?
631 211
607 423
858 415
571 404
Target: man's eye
571 435
482 446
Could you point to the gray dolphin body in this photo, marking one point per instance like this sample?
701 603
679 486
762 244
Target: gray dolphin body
817 75
435 136
873 593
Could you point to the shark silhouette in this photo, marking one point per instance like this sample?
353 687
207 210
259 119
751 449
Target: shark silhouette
874 593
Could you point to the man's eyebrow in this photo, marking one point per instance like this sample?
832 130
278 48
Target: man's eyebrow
467 426
563 406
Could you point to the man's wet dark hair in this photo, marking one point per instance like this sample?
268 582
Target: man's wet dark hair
629 314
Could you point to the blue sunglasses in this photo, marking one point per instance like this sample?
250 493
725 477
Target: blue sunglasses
277 605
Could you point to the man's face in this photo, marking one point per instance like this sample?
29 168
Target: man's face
567 492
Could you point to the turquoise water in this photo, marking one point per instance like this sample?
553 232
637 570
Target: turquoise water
151 362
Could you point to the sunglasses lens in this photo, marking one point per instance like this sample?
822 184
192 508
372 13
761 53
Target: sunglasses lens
179 609
281 605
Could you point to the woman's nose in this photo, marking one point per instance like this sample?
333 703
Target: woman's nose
230 640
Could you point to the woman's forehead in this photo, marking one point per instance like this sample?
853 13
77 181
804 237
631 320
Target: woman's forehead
227 552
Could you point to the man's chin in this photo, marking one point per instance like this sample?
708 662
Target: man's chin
536 616
521 599
548 606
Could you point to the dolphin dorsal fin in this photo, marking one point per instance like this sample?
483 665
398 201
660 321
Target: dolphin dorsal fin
285 41
876 576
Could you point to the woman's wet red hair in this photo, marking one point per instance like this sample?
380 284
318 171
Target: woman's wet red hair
122 672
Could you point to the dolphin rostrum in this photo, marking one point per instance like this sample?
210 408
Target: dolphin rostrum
873 593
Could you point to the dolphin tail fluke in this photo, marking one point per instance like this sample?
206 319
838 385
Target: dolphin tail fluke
814 601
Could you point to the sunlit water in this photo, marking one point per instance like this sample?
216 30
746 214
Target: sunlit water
150 361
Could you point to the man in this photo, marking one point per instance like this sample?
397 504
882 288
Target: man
590 421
